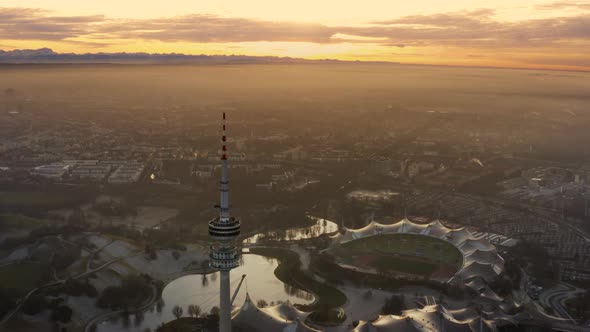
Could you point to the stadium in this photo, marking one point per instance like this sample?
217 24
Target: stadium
413 250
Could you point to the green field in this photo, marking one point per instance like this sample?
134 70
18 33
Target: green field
35 199
21 277
406 253
16 221
43 200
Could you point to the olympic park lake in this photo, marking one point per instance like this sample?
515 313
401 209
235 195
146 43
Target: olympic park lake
203 289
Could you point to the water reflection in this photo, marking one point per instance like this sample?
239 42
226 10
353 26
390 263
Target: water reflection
372 195
125 319
203 290
298 293
139 316
321 226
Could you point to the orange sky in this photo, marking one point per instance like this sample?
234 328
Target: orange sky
511 33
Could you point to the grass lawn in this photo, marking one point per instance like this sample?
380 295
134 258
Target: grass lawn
183 324
190 324
406 253
324 266
327 317
396 264
37 200
16 221
21 277
406 244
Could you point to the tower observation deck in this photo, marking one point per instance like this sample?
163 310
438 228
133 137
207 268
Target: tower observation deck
223 231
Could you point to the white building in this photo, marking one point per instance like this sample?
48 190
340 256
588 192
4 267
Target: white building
127 173
93 172
55 171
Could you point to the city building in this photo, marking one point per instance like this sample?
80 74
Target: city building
415 168
381 166
127 173
90 171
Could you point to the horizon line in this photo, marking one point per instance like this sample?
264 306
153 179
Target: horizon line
129 61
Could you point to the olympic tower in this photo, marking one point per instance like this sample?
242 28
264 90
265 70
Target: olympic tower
223 231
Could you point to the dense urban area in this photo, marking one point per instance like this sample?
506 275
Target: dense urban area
109 176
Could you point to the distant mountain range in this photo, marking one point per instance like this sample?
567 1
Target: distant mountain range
47 55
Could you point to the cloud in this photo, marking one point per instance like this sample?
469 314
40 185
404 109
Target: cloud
469 19
214 29
476 29
36 24
584 5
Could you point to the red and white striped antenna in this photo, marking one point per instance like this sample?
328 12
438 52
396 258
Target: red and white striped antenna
224 183
223 141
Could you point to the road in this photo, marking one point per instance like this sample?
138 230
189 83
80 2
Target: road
555 298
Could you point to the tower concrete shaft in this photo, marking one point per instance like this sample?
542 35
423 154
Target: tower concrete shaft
224 230
224 303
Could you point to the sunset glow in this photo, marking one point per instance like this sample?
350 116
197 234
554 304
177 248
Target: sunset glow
525 34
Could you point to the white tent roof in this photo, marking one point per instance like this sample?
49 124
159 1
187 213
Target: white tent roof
369 230
472 245
473 270
388 323
436 229
407 226
281 318
490 257
458 236
429 318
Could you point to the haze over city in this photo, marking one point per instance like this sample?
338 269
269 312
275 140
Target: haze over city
294 166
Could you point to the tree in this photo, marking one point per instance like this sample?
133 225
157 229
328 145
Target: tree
133 290
177 311
215 311
34 304
194 310
394 305
582 305
262 303
62 314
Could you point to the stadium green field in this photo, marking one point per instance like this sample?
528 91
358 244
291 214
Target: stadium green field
412 254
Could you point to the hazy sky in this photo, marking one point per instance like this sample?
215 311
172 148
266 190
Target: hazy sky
514 33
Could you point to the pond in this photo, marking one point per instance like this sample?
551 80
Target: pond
321 226
203 290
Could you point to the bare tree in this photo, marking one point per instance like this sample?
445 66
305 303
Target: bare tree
262 303
177 311
194 310
215 311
